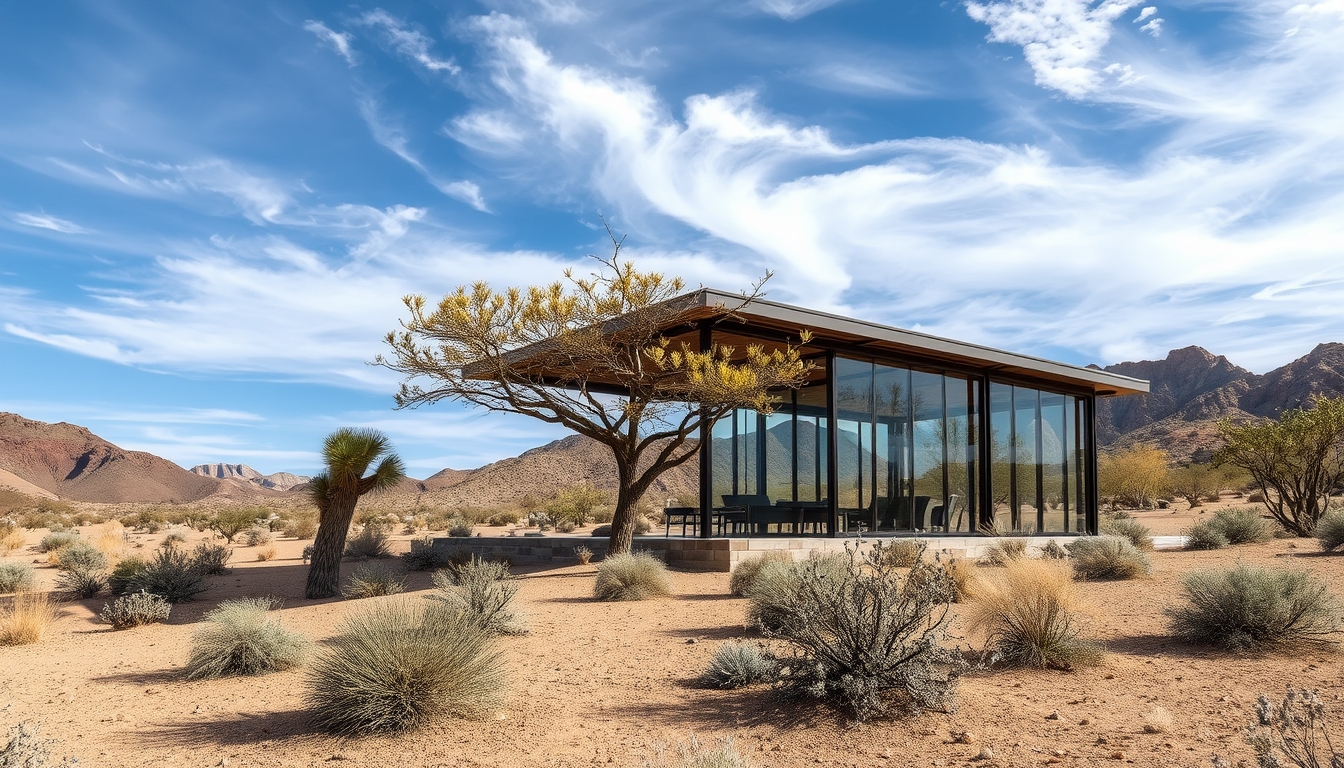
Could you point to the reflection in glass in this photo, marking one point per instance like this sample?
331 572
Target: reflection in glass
891 387
958 514
927 399
1027 441
1001 455
1053 515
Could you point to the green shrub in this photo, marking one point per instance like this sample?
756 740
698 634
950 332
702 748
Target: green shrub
397 665
746 571
124 573
255 537
422 556
739 664
482 591
504 517
80 555
1107 558
241 637
772 591
1251 608
302 525
171 574
1137 533
576 504
1032 616
865 641
900 553
459 527
373 580
371 543
210 559
1005 550
16 577
81 583
231 521
173 537
1242 525
148 520
1204 535
637 576
1330 530
136 609
57 540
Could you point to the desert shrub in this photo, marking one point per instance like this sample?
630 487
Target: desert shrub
1330 530
642 525
147 520
1137 533
636 576
1107 558
693 754
746 571
1005 550
1250 608
901 553
482 591
373 580
173 537
123 573
266 553
772 590
1204 535
231 521
80 555
210 559
11 538
23 747
26 619
1032 616
505 517
1134 477
864 642
136 609
1053 551
81 583
57 540
171 574
16 577
738 664
1293 732
302 525
398 665
459 527
255 537
1242 525
565 526
241 637
583 554
369 544
422 556
576 504
601 532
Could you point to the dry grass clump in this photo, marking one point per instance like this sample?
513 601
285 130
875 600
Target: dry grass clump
110 539
1032 616
1107 558
11 537
135 610
1330 530
736 665
1005 550
302 525
397 665
266 553
370 544
173 538
1204 536
746 571
16 577
900 553
1137 533
241 637
483 591
373 580
693 754
257 536
774 590
1243 525
636 576
1252 608
26 619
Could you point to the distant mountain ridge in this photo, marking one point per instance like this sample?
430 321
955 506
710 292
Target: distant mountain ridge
281 481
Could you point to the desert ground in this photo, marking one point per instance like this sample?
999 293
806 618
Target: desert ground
601 683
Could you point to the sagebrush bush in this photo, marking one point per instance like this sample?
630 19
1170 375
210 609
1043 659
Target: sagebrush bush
1203 536
1251 608
210 559
772 592
1242 525
255 537
1294 732
636 576
863 640
370 544
1137 533
80 555
398 665
16 577
26 619
693 754
482 591
1108 558
373 580
746 571
81 583
735 665
242 637
1032 616
170 573
173 537
1005 550
136 609
900 553
459 527
302 525
266 553
422 556
505 517
123 573
1330 530
1053 551
57 540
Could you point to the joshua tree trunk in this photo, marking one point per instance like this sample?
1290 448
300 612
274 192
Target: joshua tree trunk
324 575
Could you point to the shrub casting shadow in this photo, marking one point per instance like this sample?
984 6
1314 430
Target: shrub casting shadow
715 709
294 728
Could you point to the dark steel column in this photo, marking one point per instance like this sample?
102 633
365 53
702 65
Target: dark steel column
832 449
1093 498
706 450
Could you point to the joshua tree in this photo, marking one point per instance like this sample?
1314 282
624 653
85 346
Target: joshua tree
348 453
549 352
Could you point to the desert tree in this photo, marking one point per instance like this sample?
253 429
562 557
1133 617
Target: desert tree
1195 483
1295 461
1133 477
590 354
348 454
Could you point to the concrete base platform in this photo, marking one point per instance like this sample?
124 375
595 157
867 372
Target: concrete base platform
706 554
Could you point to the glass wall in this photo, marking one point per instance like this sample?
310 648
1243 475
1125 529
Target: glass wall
1036 453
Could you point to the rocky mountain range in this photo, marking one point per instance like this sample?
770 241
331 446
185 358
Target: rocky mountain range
281 481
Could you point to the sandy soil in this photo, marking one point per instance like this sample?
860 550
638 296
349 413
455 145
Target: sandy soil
599 683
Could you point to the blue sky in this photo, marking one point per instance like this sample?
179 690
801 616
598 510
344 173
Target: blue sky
209 211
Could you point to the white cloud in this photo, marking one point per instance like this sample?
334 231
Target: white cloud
1061 39
792 10
43 221
392 138
340 41
1145 13
1153 27
410 43
864 80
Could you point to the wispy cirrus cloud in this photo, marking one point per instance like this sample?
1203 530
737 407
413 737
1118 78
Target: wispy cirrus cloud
792 10
409 42
44 221
339 41
392 138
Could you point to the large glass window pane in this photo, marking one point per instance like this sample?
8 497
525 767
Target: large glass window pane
960 464
1026 447
893 506
1000 503
1053 454
812 442
1082 488
779 454
721 454
929 444
854 424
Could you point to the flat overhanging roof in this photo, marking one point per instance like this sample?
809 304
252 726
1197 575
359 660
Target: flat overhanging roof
789 320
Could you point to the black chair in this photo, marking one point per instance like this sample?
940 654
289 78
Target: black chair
684 515
941 515
921 509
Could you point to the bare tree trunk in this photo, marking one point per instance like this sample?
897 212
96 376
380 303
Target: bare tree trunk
623 522
324 575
